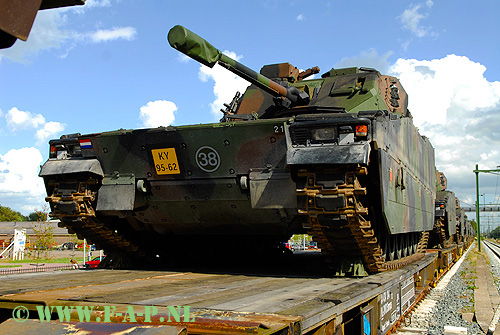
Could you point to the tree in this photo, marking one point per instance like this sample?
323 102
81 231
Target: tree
35 216
474 225
7 215
44 236
495 233
75 241
300 238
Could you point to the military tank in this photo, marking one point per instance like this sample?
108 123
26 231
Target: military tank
447 207
337 157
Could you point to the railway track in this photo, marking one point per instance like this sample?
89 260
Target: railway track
493 247
417 320
441 306
489 308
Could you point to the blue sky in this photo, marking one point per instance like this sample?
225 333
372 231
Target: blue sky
107 65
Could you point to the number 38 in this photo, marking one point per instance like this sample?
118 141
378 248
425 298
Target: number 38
207 159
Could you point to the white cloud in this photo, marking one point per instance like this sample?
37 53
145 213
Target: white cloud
97 3
183 58
123 33
17 119
406 44
158 113
48 32
454 105
89 4
300 17
445 89
368 58
20 186
49 131
226 84
411 17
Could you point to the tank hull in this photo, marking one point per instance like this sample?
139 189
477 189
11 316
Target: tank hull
243 179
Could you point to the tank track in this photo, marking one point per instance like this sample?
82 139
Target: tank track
440 231
353 234
422 244
73 203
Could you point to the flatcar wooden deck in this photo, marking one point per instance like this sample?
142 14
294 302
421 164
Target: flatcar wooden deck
219 302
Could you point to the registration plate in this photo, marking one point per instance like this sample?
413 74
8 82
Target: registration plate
165 161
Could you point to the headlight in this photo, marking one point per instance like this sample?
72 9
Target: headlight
324 134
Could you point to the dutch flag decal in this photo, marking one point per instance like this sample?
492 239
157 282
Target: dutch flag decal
85 144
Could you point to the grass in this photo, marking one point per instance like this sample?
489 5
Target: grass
48 257
41 260
469 275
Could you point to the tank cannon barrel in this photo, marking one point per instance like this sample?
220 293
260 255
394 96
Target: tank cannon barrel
200 50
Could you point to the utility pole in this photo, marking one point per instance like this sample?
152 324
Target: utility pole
476 171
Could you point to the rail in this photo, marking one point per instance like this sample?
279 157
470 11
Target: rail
35 269
494 247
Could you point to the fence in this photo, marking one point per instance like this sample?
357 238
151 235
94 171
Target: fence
35 269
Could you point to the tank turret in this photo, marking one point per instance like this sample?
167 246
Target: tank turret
441 181
446 213
200 50
337 91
